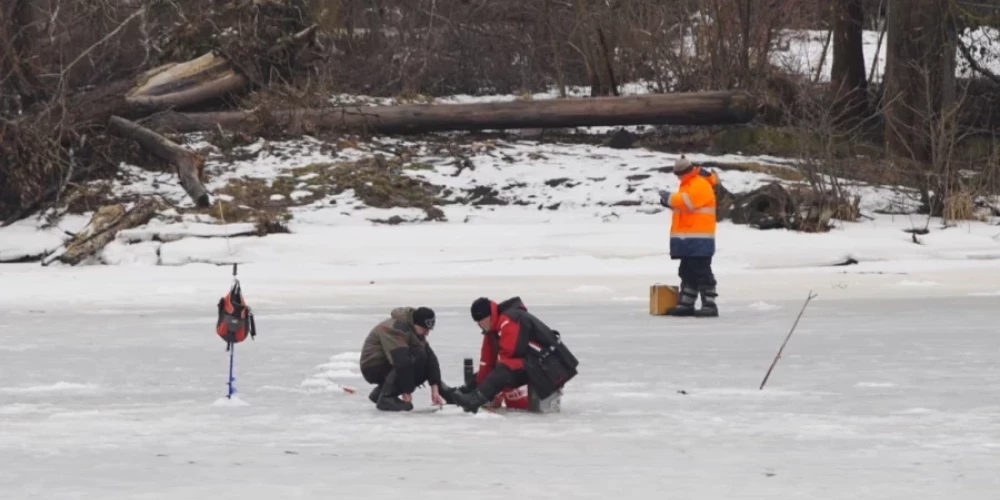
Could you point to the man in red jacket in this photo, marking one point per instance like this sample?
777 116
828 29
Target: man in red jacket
509 331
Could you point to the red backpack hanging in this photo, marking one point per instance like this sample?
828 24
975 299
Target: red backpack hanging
235 318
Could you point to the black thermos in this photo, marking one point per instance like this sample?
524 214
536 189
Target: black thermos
470 377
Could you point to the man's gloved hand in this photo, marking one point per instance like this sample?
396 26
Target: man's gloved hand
665 198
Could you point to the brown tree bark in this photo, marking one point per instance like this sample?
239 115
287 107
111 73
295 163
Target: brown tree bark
18 75
847 75
103 227
920 75
695 108
188 164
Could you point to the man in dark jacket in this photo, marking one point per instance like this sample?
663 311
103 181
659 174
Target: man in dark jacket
397 358
510 331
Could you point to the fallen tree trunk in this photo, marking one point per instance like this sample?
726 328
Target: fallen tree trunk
189 165
695 108
102 229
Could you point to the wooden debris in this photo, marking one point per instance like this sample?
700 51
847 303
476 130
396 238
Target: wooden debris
102 229
190 166
800 208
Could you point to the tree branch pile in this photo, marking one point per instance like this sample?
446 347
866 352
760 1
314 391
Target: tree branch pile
62 137
798 208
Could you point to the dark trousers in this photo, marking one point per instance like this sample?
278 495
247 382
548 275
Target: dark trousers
385 375
501 378
696 272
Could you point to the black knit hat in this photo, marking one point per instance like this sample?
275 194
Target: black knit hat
481 308
424 316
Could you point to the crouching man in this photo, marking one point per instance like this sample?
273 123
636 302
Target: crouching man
397 358
523 363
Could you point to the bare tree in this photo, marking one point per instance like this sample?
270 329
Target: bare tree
847 76
920 75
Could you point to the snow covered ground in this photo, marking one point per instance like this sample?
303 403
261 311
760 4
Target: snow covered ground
887 399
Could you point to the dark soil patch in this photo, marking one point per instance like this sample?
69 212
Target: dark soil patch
483 195
626 203
381 184
561 181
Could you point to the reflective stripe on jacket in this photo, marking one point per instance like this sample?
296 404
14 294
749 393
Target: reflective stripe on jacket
692 231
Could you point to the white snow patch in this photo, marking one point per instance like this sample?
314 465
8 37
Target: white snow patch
32 238
631 298
916 411
640 395
299 194
316 382
487 414
592 289
117 253
17 348
232 401
341 366
617 385
56 387
21 409
763 306
277 197
916 283
341 373
167 232
346 356
804 52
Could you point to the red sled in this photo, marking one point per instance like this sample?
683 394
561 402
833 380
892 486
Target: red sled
235 318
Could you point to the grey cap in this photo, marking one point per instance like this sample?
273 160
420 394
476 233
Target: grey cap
682 165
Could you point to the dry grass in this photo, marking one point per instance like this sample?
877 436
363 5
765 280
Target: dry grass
377 182
960 205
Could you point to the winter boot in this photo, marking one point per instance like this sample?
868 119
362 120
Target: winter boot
708 307
470 402
685 304
392 403
373 396
388 399
448 393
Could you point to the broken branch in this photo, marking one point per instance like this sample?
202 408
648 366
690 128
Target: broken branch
189 165
790 332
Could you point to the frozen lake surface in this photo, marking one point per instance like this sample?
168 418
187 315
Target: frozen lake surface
879 400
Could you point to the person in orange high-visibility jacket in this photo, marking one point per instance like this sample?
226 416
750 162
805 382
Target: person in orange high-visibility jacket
692 238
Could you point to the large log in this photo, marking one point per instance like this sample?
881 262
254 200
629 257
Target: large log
103 227
695 108
189 165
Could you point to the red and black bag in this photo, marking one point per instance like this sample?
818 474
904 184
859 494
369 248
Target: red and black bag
235 318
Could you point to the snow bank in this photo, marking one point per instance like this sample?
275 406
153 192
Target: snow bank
31 238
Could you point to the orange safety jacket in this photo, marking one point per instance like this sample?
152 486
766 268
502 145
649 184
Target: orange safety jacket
692 230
